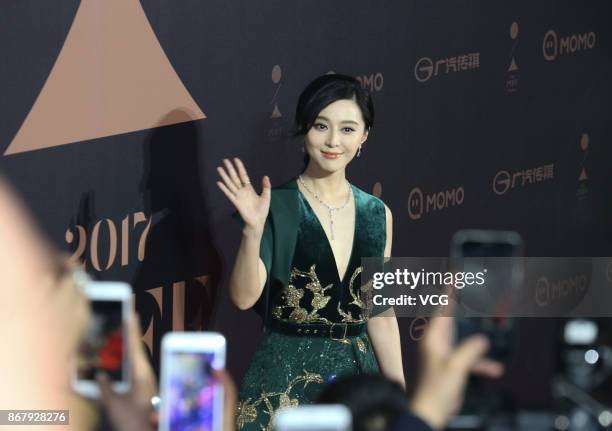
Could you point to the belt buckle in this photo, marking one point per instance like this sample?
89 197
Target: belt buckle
331 332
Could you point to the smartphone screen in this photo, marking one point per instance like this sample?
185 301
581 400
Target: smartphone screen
332 417
497 252
102 347
190 391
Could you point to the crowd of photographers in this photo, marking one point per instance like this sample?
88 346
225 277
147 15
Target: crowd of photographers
45 314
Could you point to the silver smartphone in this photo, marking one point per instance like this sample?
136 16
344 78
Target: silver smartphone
332 417
191 399
104 348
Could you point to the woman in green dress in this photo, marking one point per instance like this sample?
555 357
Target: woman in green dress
299 261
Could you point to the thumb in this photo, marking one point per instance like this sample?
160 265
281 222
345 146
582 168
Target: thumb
469 353
106 391
267 187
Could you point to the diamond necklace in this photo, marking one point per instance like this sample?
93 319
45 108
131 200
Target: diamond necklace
329 207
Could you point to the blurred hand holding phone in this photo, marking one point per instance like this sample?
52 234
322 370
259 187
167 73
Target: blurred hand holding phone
499 254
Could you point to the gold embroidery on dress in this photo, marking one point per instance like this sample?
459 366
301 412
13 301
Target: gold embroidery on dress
292 296
361 345
347 317
246 411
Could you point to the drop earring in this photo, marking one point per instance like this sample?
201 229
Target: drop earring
359 151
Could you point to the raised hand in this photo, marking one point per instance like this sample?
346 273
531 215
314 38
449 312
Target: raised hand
237 187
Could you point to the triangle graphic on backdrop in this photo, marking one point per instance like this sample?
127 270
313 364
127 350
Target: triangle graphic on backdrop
513 66
111 76
583 175
276 112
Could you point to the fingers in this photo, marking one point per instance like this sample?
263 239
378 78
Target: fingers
107 395
227 192
229 398
488 368
142 375
244 178
229 183
469 353
266 187
228 384
232 173
438 340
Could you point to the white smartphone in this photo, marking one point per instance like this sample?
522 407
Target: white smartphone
104 347
191 399
332 417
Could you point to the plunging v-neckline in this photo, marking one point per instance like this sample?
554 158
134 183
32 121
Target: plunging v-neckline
331 249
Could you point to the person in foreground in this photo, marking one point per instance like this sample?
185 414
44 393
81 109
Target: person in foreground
378 404
299 260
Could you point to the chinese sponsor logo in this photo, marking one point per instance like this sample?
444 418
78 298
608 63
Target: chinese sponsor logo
554 46
426 68
417 328
419 204
512 74
373 82
504 180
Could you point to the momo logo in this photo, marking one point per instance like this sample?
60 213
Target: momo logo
504 180
549 291
373 82
415 204
425 68
419 204
111 76
554 46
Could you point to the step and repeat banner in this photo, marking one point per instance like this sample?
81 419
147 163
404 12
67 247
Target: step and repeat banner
115 113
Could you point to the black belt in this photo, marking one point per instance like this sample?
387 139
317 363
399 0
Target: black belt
335 331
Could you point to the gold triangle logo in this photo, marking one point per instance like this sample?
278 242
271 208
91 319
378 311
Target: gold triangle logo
111 76
276 112
513 66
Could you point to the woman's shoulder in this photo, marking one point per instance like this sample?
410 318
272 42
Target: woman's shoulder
288 185
362 196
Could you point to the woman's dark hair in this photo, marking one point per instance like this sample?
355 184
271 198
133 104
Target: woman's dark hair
375 402
325 90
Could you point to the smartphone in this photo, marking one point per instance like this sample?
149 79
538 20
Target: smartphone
332 417
191 399
498 254
104 347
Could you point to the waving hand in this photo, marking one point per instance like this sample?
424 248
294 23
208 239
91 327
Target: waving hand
237 186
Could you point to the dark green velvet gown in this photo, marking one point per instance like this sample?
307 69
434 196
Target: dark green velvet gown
288 370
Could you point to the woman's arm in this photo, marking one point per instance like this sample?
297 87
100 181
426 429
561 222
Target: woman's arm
384 331
249 273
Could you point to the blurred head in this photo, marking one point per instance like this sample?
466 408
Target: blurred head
334 114
46 315
374 401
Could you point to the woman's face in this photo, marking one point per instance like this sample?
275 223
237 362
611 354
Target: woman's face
335 136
